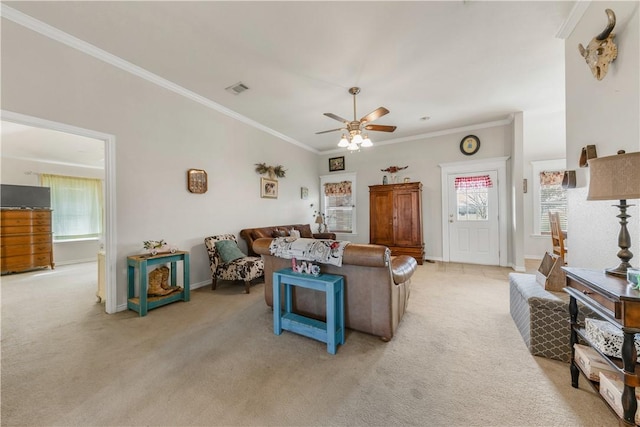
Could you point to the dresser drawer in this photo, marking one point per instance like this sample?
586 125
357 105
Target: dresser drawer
611 305
23 262
24 214
41 215
27 222
25 239
13 250
25 229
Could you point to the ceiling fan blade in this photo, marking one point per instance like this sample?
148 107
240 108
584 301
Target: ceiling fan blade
327 131
380 128
338 118
374 115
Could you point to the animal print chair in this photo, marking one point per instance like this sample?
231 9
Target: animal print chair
227 262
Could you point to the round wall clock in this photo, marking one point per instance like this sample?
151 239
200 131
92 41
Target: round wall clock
470 145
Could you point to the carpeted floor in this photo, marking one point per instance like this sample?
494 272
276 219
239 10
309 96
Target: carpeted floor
456 360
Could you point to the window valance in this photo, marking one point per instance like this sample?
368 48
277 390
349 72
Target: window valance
551 177
466 182
337 189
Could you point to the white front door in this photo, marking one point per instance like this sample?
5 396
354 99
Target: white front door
474 234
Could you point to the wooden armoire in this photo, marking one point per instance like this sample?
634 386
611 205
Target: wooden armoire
395 218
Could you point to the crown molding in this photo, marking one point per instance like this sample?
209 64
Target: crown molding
569 24
102 55
502 122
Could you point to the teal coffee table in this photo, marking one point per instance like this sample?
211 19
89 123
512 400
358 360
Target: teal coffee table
331 331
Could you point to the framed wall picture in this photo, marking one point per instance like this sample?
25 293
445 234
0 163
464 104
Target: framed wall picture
197 181
268 188
336 164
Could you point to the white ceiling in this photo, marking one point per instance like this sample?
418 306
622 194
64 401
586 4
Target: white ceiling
461 63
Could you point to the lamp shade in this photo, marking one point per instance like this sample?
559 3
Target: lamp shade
614 177
319 219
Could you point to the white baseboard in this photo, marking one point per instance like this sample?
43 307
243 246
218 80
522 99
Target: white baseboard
75 261
123 307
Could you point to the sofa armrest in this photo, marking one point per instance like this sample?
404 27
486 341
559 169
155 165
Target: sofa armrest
402 268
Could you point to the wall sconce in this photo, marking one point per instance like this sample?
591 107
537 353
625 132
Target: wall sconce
569 179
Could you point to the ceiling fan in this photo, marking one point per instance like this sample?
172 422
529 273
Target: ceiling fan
356 127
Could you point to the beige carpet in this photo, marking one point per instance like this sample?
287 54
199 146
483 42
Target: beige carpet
457 359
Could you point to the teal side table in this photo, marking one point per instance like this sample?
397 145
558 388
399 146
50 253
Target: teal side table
331 331
143 303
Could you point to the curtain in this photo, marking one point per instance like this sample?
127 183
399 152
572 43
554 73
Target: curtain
466 182
337 189
77 205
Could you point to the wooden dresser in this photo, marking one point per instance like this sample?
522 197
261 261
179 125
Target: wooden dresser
395 218
25 239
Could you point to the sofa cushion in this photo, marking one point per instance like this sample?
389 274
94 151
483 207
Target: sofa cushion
229 250
259 233
305 231
294 233
279 232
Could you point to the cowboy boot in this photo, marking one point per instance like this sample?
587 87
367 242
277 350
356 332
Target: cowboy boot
165 280
165 277
155 284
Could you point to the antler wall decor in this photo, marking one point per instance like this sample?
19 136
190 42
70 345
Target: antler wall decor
602 49
273 171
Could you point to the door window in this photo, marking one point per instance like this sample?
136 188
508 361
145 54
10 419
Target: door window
472 197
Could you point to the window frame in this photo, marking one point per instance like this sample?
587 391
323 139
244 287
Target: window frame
349 176
98 197
537 167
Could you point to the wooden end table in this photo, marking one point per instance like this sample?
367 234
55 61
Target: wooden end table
615 301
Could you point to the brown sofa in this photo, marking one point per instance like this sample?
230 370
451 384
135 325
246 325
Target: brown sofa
251 234
377 287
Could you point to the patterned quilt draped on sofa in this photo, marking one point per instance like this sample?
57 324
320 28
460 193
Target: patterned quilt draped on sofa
324 251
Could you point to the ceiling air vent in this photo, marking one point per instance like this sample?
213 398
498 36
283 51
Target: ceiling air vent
237 88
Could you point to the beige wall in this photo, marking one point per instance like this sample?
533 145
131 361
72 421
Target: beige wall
423 157
159 135
604 113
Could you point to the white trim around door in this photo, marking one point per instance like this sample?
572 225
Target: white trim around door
498 164
109 190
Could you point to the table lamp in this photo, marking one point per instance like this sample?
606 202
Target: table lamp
320 222
617 178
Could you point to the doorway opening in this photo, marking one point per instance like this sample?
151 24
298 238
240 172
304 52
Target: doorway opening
107 143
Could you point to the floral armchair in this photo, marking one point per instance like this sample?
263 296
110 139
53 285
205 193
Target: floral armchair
228 263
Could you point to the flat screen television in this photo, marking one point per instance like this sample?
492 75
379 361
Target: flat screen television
24 196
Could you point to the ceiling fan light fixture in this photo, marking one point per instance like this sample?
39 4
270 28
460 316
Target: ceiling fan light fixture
353 146
354 140
344 142
367 142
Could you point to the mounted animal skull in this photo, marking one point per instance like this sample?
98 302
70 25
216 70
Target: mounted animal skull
602 49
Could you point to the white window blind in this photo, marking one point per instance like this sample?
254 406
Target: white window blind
553 198
338 202
548 194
